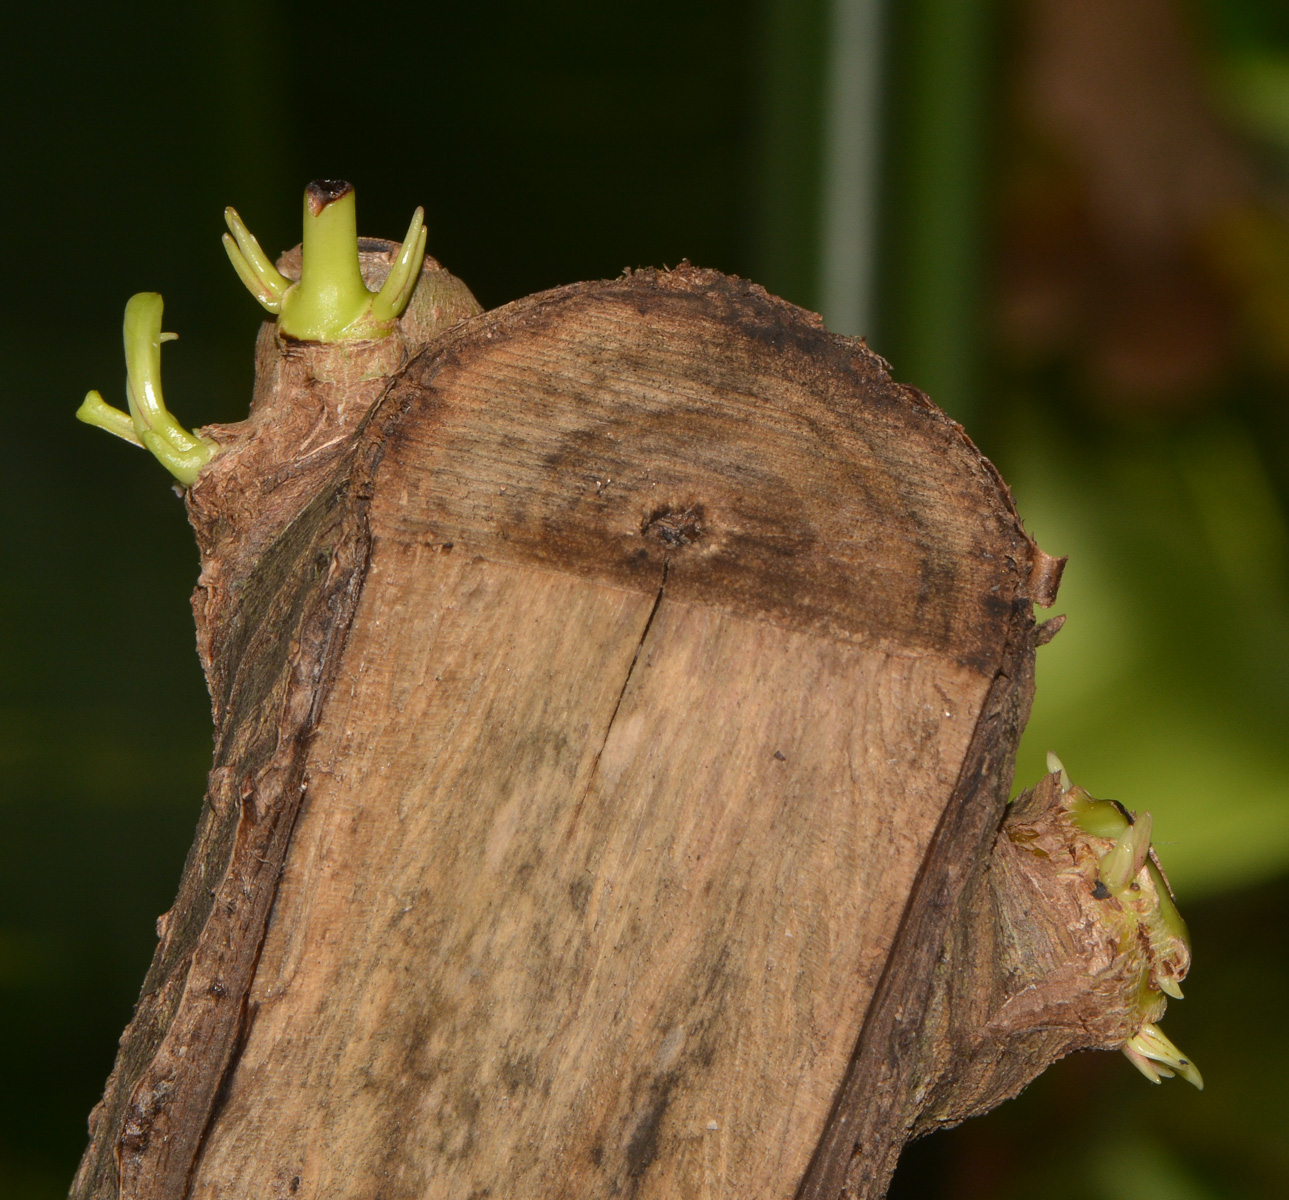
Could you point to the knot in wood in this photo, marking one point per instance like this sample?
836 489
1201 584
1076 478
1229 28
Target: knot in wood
675 527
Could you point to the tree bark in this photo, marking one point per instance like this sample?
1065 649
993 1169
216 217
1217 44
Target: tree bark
616 698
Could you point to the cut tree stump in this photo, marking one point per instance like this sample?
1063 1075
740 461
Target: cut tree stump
615 716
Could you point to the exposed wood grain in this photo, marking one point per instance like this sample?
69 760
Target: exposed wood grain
840 569
900 1053
567 937
650 775
575 429
146 1131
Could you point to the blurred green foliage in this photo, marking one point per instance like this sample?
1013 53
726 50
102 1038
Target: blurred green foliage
564 141
1169 686
1153 693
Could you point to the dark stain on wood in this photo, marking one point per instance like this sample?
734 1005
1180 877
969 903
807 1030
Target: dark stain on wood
515 421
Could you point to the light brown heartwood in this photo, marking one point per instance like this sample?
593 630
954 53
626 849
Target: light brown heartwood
615 717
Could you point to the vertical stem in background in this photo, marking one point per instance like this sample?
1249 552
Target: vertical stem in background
930 323
885 239
852 145
787 169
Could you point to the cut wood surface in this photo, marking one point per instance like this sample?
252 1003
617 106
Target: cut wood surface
650 672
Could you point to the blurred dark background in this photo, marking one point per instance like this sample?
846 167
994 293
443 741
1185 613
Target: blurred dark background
1067 220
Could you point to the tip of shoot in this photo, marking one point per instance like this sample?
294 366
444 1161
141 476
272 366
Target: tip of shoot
321 192
1154 1055
330 302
